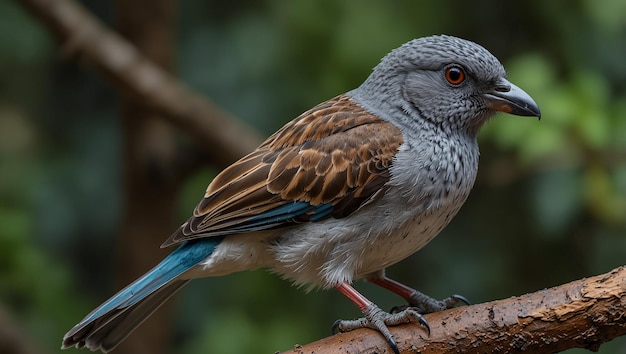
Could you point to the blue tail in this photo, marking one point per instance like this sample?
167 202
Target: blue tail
106 326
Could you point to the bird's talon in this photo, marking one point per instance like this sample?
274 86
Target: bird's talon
393 345
425 324
459 298
426 304
335 328
377 319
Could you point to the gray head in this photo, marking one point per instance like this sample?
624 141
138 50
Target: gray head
450 82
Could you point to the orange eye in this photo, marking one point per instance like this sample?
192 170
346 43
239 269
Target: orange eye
455 75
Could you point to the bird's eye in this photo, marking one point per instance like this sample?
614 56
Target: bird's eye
455 75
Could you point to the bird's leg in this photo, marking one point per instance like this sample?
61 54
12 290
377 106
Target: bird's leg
423 303
375 318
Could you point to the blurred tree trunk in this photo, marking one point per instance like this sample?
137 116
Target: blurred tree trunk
150 183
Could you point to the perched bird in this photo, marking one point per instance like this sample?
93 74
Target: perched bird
348 188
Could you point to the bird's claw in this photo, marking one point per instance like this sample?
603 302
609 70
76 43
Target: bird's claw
455 299
377 319
426 304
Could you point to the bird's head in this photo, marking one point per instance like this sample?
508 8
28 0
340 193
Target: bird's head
450 82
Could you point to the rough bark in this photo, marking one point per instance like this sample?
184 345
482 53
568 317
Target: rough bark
581 314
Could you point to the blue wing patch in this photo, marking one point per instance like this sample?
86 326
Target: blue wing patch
283 215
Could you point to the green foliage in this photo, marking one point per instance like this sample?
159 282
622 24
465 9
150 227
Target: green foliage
32 284
582 129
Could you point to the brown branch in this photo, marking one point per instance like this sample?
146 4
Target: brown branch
84 36
581 314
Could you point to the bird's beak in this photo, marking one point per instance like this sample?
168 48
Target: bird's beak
508 98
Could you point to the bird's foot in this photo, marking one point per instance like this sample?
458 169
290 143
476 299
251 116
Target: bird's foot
423 303
377 319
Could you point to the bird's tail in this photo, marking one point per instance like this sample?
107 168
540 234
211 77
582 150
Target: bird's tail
109 324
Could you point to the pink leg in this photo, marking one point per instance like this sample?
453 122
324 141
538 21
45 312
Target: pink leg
353 295
393 286
375 318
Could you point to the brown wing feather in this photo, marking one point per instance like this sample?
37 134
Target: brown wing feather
337 153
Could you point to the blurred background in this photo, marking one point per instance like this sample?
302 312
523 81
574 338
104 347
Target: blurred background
549 205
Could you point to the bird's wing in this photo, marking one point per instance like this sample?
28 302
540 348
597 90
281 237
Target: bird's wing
327 162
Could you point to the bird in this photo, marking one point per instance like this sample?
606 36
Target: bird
345 190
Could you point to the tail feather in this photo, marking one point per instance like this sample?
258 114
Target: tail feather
115 331
108 331
109 324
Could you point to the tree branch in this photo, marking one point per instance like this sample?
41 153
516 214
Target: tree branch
581 314
84 36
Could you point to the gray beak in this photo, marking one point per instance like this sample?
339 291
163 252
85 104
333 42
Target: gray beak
508 98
